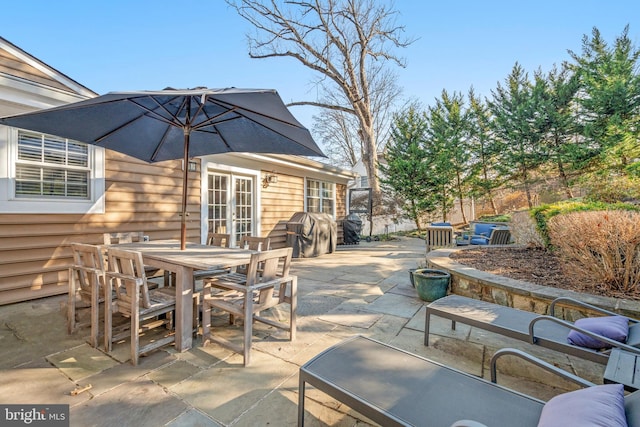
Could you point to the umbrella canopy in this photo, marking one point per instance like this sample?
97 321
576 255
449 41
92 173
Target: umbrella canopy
171 124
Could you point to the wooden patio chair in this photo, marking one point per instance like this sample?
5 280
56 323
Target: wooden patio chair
134 237
254 244
134 300
86 279
222 240
498 236
246 297
439 236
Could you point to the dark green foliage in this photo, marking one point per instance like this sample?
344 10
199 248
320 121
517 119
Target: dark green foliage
407 172
515 109
609 101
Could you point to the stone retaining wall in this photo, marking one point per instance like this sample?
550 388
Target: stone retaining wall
478 284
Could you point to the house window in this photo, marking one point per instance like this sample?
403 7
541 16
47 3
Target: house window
47 174
51 167
320 196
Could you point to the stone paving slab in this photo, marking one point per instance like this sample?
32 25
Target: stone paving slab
353 314
38 385
140 403
82 361
397 305
225 391
193 418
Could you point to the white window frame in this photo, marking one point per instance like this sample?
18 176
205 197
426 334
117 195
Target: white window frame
321 198
9 203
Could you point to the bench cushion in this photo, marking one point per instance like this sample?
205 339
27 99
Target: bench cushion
598 406
614 327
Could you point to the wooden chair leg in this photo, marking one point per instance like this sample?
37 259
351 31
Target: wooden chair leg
293 307
135 327
71 303
206 322
108 316
248 326
95 314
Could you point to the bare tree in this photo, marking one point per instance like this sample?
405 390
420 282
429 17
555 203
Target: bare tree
338 129
347 42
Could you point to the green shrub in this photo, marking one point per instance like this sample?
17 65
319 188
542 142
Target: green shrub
613 189
495 218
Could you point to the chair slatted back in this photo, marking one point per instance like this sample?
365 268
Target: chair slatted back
128 237
219 239
439 237
88 264
255 243
129 278
268 265
500 236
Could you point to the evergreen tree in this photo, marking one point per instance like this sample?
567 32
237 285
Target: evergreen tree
610 100
448 133
516 124
556 120
482 145
406 174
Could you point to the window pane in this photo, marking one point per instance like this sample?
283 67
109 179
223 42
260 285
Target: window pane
313 205
29 147
48 166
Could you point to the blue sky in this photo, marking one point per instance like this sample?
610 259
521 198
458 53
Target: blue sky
119 45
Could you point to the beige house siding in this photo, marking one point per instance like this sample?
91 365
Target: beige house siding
276 209
34 248
11 65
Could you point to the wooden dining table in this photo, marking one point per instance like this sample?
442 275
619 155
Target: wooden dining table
166 255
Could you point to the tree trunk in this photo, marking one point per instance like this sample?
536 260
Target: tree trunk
565 180
527 190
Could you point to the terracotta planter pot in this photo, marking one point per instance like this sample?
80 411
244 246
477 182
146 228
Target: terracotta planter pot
431 284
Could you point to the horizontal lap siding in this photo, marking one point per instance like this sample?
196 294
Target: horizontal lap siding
279 202
34 248
13 66
286 197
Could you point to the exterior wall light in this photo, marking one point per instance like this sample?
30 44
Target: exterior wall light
270 178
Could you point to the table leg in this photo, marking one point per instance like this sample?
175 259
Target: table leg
184 308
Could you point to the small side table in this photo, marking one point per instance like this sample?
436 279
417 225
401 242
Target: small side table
623 368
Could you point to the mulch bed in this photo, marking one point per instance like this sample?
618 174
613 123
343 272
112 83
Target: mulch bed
531 265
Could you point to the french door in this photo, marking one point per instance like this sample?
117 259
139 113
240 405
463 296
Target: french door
231 206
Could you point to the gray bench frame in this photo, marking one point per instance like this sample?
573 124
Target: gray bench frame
546 331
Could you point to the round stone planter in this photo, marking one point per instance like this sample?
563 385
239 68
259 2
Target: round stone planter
431 284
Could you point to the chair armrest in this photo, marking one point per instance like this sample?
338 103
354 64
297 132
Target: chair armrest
537 362
570 325
271 283
575 302
113 275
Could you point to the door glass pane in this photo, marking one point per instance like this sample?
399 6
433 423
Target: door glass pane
244 207
217 203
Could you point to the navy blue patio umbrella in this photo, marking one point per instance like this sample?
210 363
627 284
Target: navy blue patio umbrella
177 124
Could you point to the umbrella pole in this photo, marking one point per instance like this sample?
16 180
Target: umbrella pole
185 177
